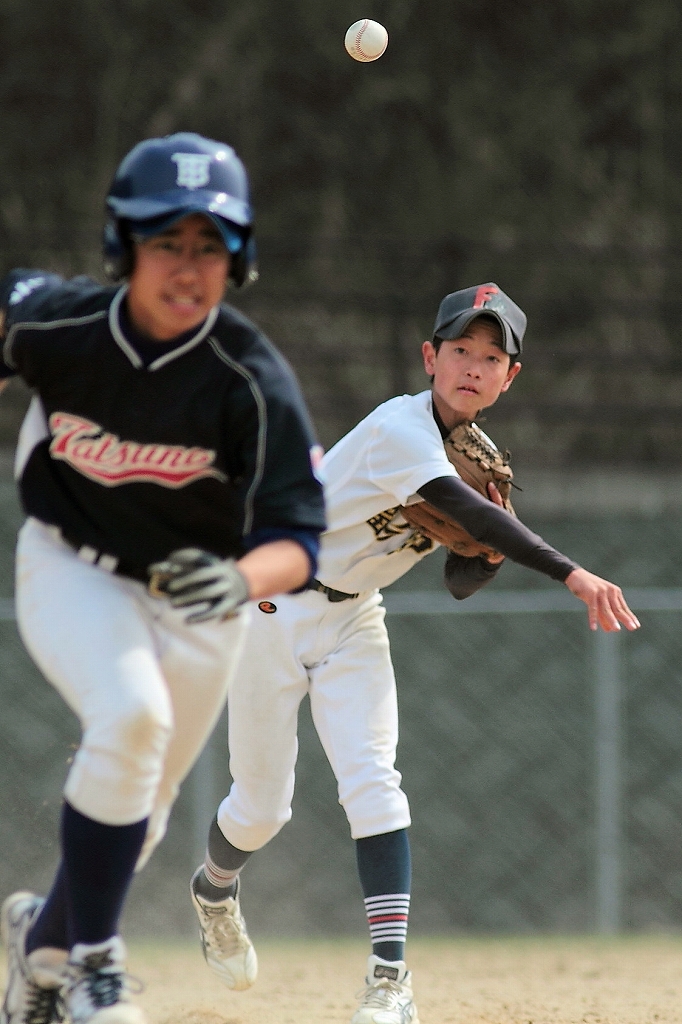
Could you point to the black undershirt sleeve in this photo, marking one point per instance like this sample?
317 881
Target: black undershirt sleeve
495 527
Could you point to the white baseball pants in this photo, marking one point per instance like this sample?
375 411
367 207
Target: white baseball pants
339 654
146 687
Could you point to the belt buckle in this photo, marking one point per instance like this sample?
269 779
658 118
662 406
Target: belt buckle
157 583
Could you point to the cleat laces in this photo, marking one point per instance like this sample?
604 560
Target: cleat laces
389 997
101 988
224 932
383 995
43 1005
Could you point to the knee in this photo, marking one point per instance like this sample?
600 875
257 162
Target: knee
145 728
372 810
250 830
135 731
118 767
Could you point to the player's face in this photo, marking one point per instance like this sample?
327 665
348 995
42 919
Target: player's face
178 277
469 373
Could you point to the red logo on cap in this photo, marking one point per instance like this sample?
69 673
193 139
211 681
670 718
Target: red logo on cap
483 294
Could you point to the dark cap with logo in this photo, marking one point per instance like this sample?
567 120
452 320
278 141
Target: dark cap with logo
458 309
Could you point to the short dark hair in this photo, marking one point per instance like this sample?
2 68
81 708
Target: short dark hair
437 341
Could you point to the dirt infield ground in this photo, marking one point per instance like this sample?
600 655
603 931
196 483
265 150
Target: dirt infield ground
501 981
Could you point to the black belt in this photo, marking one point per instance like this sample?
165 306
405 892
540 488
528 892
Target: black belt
110 563
133 572
332 595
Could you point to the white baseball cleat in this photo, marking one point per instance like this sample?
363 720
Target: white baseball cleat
97 989
388 996
228 950
32 994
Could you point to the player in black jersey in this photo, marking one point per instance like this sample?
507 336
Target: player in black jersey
166 440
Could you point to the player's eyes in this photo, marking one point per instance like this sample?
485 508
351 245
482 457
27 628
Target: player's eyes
173 247
166 245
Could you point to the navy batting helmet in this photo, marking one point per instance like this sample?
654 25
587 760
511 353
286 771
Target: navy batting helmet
162 180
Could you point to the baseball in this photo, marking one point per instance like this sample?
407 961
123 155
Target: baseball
366 40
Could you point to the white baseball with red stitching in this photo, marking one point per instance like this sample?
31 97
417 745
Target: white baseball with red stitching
366 40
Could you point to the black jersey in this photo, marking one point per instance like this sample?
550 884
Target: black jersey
202 447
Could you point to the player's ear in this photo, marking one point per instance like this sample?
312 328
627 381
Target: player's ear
429 355
513 371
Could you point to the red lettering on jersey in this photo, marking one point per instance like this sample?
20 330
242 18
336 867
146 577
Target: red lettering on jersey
483 294
103 457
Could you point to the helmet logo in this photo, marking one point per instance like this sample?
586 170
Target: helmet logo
193 169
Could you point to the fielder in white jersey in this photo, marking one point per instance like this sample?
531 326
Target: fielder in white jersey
331 643
165 470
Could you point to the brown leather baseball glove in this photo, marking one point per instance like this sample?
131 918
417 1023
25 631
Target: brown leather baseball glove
478 462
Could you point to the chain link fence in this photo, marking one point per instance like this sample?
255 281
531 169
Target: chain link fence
543 763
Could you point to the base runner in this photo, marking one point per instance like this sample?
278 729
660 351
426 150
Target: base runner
167 438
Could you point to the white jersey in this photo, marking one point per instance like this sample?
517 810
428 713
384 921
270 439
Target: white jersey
372 471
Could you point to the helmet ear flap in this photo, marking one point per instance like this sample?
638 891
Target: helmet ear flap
244 269
118 250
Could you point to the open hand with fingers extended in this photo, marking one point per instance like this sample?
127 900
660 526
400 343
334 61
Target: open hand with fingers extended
606 606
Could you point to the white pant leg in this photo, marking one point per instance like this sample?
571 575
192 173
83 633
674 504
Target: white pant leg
147 690
263 704
198 662
355 710
340 652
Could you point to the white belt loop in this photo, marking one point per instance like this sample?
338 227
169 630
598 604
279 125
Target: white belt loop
93 557
88 554
108 562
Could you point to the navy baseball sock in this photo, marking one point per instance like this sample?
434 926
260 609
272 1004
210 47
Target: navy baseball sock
222 864
385 870
97 868
50 928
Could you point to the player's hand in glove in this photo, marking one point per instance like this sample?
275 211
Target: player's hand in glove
190 578
479 464
606 606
